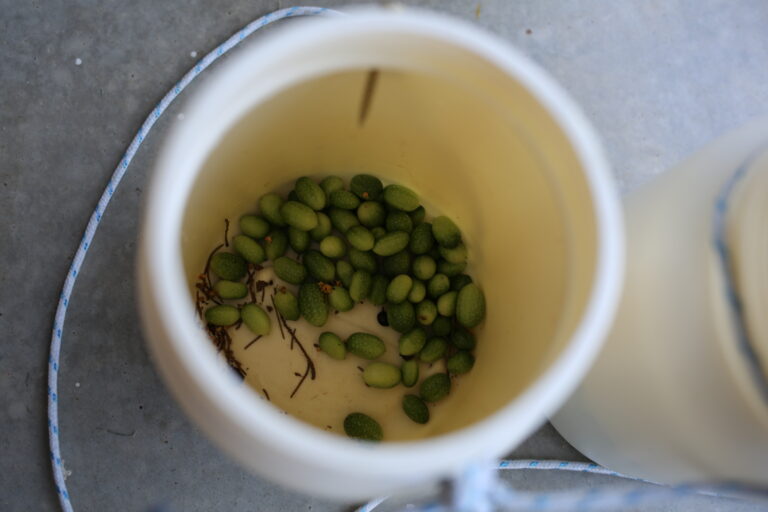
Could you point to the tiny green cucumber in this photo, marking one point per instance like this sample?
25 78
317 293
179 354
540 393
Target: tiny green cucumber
391 243
446 304
401 198
342 220
344 271
433 350
399 221
426 312
270 205
360 238
340 300
418 292
422 240
230 289
333 247
312 304
298 239
331 183
378 232
310 193
365 345
366 186
323 228
424 267
463 339
287 304
415 408
256 319
254 226
410 371
470 306
381 375
318 266
446 232
454 255
438 285
401 317
399 288
249 249
332 345
362 260
229 266
360 286
418 215
399 263
412 342
299 215
275 244
344 199
361 426
378 293
451 269
460 362
371 214
222 315
435 387
290 270
442 326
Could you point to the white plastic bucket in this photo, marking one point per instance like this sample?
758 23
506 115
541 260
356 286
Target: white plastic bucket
473 127
679 391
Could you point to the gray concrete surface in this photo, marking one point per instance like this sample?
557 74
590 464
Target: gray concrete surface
658 79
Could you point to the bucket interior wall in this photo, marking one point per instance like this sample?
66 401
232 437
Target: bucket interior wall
497 164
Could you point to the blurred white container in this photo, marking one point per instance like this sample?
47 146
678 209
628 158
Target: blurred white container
482 135
680 390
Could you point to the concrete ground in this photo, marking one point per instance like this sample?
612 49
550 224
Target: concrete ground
658 79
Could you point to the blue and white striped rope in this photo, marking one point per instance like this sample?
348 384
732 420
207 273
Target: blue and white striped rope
758 369
93 224
477 489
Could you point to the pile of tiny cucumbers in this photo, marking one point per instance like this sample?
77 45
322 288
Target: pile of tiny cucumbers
367 242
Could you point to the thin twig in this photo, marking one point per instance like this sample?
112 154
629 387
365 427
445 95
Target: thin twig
254 340
370 87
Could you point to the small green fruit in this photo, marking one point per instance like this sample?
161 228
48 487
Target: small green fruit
365 345
415 409
222 315
435 387
256 319
446 232
361 426
381 375
254 226
229 266
401 198
299 215
470 306
332 345
230 289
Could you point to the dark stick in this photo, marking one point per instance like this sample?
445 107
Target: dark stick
301 381
254 340
368 90
123 434
277 314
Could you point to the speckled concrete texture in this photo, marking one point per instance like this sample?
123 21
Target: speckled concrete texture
658 79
